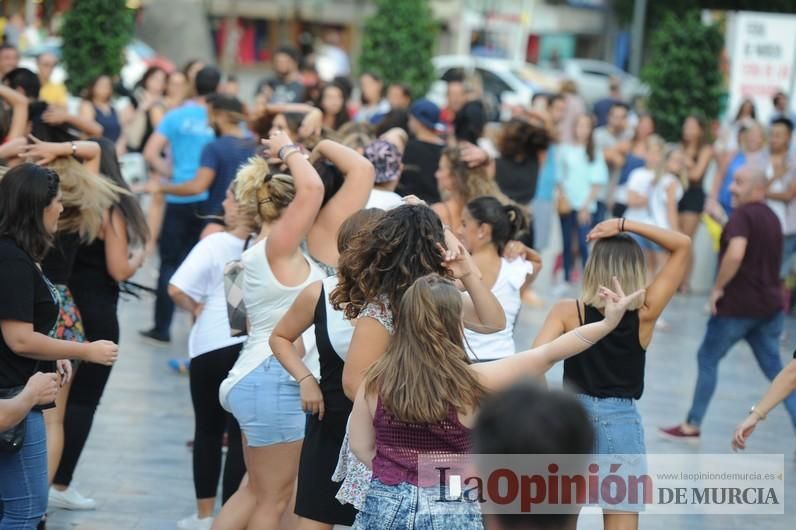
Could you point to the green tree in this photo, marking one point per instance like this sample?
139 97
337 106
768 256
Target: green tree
95 33
683 72
398 43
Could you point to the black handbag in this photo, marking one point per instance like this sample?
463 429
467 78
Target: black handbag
11 440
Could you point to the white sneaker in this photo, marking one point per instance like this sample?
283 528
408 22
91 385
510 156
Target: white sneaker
194 523
70 499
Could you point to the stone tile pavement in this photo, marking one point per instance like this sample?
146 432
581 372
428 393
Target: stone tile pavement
136 464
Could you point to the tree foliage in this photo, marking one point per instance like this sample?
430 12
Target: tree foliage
95 33
398 43
683 72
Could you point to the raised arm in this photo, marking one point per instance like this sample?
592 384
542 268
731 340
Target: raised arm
481 310
19 111
287 332
45 152
358 175
499 374
669 278
292 227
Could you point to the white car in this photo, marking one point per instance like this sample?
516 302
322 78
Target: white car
592 76
504 83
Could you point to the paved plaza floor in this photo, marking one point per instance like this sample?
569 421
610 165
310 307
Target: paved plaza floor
138 468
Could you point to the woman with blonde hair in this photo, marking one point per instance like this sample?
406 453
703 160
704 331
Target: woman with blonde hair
291 210
609 375
422 397
459 184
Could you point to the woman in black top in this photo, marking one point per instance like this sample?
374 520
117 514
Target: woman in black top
30 205
609 375
99 267
85 197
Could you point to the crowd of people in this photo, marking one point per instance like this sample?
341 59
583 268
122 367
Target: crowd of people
355 270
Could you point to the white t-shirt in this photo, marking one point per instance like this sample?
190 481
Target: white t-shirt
659 197
640 181
507 290
201 276
383 199
655 211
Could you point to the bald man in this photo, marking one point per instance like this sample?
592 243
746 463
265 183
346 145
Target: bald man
746 301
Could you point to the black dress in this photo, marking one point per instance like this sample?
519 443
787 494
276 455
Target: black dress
693 199
315 497
96 293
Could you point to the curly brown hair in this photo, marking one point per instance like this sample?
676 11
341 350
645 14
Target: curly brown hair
519 140
401 247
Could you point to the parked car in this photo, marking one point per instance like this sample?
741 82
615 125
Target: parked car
591 77
504 83
138 57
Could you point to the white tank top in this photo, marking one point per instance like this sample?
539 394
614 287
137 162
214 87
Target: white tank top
267 300
338 328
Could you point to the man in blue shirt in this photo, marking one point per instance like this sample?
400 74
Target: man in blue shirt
185 130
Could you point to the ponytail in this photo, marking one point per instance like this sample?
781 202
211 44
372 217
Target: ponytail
506 221
262 194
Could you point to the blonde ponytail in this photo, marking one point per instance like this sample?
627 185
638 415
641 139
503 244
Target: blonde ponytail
262 194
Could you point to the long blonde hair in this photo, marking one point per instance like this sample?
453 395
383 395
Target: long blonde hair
614 257
261 194
425 369
86 197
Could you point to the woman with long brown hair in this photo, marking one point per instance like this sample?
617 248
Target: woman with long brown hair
698 156
422 397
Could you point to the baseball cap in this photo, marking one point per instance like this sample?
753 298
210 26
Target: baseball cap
427 113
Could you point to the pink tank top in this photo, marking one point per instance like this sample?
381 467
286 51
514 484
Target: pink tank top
399 443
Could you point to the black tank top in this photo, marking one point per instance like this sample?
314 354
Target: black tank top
614 366
90 273
331 364
57 264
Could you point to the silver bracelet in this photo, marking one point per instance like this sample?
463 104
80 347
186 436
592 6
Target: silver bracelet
579 335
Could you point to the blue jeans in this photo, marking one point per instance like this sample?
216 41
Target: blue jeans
570 227
180 232
23 479
762 335
405 506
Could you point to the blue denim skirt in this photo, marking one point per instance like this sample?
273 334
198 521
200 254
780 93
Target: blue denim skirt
405 506
619 439
267 405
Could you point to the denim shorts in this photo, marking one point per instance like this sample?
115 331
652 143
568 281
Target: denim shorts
407 506
267 405
619 439
646 244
